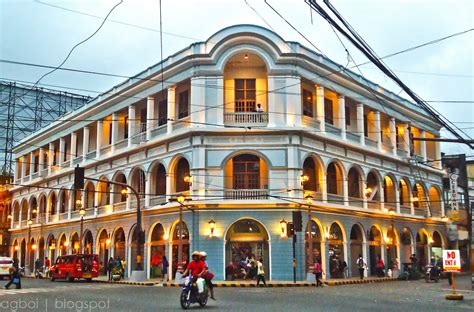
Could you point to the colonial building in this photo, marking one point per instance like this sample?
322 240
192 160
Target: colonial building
246 126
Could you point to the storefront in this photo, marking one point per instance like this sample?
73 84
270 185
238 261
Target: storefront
184 233
357 242
312 245
375 249
157 251
336 251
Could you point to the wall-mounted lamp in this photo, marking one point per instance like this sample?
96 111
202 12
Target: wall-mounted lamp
309 199
30 222
368 191
283 227
180 199
34 211
78 203
124 192
415 199
430 240
212 226
188 179
66 243
391 211
303 179
246 56
16 248
34 246
9 217
107 242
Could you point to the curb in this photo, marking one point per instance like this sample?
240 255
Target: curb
128 283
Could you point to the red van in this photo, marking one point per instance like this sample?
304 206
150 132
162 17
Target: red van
77 266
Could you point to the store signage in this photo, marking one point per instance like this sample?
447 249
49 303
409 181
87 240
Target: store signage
453 190
451 261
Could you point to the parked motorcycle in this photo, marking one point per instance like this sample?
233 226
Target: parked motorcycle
190 293
21 270
432 273
42 273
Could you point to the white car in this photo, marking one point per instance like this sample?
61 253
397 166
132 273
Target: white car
5 264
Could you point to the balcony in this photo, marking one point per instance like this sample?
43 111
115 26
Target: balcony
182 123
421 212
122 206
105 149
133 203
246 194
331 129
62 216
65 164
91 155
106 209
335 199
405 209
77 160
373 204
121 144
402 153
310 122
158 129
370 142
157 200
246 119
353 137
356 202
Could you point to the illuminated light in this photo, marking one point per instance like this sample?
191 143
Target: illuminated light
166 235
9 217
82 212
124 192
430 240
368 191
16 248
107 241
246 56
66 243
180 199
188 179
304 179
34 211
445 218
415 199
34 246
30 222
212 226
78 203
391 211
309 199
283 227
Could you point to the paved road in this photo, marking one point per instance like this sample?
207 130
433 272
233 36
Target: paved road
42 295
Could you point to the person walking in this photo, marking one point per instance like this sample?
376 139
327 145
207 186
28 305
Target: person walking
260 273
381 267
362 265
110 267
37 268
15 277
318 272
164 267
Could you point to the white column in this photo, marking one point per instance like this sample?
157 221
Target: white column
73 147
397 198
360 123
406 138
345 191
17 174
381 192
150 116
293 102
320 108
377 129
393 135
85 143
131 123
50 158
41 160
171 108
32 164
114 131
423 145
99 137
147 190
324 189
23 167
341 103
62 150
168 187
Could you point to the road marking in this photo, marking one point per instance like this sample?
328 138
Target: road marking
13 291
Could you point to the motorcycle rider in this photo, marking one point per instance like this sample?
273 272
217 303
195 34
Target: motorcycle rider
208 276
196 266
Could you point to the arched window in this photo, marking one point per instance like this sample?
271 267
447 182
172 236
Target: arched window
63 201
159 180
181 172
53 203
89 195
309 170
138 181
435 202
104 192
334 179
119 196
404 193
246 172
354 183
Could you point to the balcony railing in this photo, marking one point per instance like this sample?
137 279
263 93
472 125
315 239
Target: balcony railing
421 212
158 129
157 200
373 204
310 122
77 160
106 209
353 137
121 144
105 149
402 153
91 155
335 199
356 202
65 164
119 206
246 194
133 203
62 216
44 172
405 209
246 118
331 129
370 142
35 175
181 123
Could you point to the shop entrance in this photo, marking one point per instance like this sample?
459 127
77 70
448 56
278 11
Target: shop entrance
375 249
246 239
357 240
336 251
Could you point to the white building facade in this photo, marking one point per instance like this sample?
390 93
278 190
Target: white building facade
246 126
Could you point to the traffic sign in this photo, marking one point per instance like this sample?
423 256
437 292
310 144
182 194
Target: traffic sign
451 261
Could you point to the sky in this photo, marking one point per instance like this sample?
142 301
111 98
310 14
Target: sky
44 31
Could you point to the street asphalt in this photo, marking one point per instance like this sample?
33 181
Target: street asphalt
43 295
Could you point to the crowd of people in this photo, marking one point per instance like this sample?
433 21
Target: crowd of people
247 269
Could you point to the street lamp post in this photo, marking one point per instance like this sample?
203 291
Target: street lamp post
82 212
28 245
309 201
391 211
180 200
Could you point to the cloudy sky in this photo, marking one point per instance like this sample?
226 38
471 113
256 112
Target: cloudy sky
43 32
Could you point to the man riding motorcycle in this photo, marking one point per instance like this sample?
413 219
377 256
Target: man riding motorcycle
208 276
196 267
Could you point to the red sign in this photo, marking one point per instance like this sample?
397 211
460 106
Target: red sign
451 261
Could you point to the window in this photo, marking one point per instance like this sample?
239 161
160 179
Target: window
183 108
246 172
397 137
366 130
308 103
348 116
162 112
328 112
245 95
142 121
110 133
65 152
125 121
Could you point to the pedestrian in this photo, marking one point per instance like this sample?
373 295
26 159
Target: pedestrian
318 272
47 263
345 269
362 265
260 273
110 267
164 267
37 268
380 267
15 277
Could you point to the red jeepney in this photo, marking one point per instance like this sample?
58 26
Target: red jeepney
70 267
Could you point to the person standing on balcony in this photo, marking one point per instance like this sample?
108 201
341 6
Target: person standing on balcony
259 108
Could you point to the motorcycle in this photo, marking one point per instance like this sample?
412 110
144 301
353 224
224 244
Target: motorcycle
190 293
432 273
42 273
21 270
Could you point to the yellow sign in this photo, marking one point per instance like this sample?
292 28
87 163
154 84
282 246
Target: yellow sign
455 217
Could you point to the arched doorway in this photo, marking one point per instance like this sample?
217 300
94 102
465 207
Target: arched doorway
392 249
336 251
357 243
175 245
312 245
41 251
63 245
31 258
119 244
88 243
103 246
406 247
15 249
437 245
75 243
138 181
422 248
312 169
244 239
375 248
133 250
103 190
51 248
157 250
22 253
